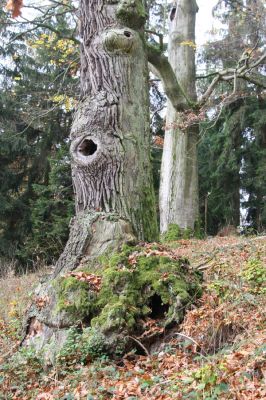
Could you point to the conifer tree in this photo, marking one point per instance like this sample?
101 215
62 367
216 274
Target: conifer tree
223 176
35 118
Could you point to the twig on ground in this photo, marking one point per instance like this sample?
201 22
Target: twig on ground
140 344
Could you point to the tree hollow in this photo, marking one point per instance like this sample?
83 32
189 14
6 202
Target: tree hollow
87 148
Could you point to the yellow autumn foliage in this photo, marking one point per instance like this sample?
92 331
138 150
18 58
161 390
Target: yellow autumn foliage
65 101
189 43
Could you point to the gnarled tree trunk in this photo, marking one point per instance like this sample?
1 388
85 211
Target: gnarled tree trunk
179 173
110 139
110 150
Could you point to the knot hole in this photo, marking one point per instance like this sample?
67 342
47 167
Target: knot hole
87 147
127 33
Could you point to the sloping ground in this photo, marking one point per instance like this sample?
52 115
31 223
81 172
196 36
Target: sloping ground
217 353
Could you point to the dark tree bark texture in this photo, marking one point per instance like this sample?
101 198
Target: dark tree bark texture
110 150
110 134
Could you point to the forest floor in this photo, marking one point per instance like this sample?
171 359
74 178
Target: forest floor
217 353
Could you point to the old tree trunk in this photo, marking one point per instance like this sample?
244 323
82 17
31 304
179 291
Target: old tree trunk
106 299
179 174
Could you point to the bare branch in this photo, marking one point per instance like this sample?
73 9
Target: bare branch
160 36
256 79
207 76
243 72
258 62
164 71
209 91
140 344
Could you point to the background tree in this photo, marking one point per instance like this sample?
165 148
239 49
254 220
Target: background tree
35 119
180 99
179 176
230 139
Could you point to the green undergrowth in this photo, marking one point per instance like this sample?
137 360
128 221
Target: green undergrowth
82 346
135 285
254 274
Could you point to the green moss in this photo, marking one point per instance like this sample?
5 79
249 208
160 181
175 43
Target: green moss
150 225
131 279
131 13
174 233
115 316
116 259
127 289
74 297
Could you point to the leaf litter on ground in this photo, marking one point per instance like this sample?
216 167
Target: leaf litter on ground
218 352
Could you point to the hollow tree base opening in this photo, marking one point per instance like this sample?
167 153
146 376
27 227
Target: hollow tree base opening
134 293
158 308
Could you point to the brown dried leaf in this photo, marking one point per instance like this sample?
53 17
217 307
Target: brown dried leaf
15 7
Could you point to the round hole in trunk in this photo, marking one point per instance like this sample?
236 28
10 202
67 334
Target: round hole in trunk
87 147
127 33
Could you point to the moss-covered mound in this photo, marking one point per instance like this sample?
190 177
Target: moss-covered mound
174 233
135 295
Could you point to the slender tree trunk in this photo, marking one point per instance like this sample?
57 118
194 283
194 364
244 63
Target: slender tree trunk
110 150
179 173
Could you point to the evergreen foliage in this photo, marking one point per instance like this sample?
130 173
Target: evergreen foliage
232 159
35 120
232 150
253 172
51 207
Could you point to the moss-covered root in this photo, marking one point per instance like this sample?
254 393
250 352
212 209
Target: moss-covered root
141 292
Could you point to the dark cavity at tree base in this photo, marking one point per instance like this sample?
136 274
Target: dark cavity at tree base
111 304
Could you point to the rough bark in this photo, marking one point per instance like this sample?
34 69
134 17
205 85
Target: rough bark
179 174
110 150
110 134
